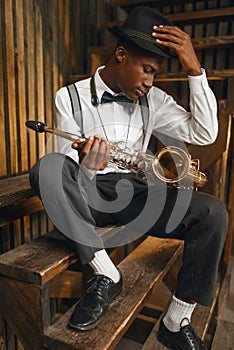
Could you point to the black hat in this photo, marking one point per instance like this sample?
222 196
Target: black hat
138 29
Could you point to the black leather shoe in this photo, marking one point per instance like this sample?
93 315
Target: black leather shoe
92 308
185 339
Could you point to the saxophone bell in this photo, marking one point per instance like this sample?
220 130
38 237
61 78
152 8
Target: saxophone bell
174 166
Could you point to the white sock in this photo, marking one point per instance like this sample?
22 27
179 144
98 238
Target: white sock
102 265
178 314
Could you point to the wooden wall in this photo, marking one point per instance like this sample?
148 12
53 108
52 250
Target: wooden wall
41 43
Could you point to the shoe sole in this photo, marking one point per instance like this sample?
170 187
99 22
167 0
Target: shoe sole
164 342
88 328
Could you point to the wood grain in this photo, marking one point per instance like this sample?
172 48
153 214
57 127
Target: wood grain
142 269
38 261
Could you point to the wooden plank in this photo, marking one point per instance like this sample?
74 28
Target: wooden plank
30 39
142 269
230 201
200 321
38 261
224 335
26 309
210 15
213 42
3 160
21 91
67 284
18 210
212 75
182 76
12 140
210 153
15 189
147 2
39 70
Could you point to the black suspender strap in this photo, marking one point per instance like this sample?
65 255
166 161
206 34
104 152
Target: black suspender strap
76 107
143 101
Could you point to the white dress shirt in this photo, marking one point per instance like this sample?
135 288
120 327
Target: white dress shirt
117 122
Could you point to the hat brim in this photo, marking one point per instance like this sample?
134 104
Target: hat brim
145 45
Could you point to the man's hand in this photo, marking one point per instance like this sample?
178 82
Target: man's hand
177 40
94 154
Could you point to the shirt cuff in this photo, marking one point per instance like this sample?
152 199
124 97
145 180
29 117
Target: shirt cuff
198 83
89 172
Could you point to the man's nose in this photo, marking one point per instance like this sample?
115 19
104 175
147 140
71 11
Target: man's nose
148 83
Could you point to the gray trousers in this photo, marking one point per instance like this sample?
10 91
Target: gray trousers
78 206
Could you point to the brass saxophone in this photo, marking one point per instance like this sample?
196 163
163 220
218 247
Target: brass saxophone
170 164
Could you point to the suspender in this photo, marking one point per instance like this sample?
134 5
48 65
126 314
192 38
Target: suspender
78 115
76 107
144 114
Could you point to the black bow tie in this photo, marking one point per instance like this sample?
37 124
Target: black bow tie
108 98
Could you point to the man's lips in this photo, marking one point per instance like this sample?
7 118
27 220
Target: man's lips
140 92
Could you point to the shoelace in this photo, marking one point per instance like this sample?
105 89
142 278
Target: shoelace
98 286
193 337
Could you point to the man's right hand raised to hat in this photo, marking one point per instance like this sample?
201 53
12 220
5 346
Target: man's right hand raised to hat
177 40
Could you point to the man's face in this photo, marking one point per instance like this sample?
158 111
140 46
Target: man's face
135 73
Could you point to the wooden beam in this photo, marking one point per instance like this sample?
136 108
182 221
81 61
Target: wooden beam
207 16
213 42
155 3
167 77
182 76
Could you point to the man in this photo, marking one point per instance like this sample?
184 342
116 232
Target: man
91 193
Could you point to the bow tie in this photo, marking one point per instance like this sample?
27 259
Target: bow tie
108 98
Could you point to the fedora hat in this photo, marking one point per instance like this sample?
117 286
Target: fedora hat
138 28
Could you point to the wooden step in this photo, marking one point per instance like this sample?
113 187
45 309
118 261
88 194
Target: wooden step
214 75
98 55
17 199
40 260
153 3
15 189
142 270
200 321
224 336
200 16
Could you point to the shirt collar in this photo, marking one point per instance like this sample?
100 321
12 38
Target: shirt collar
100 85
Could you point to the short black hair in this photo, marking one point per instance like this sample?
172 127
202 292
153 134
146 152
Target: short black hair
131 46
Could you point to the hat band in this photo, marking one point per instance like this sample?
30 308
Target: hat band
139 35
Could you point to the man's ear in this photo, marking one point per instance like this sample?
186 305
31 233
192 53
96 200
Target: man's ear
120 53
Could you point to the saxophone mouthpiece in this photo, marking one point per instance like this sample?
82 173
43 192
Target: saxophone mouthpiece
36 126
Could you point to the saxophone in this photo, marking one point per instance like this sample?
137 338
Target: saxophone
170 164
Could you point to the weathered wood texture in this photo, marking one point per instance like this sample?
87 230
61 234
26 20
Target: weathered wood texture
142 269
15 189
38 261
224 336
26 309
41 44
